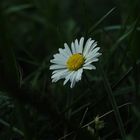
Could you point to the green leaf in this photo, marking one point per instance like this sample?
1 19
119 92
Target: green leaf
17 8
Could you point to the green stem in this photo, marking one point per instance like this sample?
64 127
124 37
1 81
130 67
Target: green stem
20 113
11 127
113 102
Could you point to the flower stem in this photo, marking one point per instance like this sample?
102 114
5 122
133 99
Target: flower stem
113 102
22 119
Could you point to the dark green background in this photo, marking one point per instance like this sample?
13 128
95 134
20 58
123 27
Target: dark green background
31 31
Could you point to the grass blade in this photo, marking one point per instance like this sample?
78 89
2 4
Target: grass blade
102 19
113 102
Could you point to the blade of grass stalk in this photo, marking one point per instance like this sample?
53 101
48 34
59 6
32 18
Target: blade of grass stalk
65 136
136 112
102 116
124 91
35 79
136 85
130 138
124 36
116 84
11 72
130 31
17 8
74 102
101 20
28 77
84 115
81 122
135 108
91 122
34 74
28 53
112 29
119 41
79 109
108 135
13 128
28 61
69 101
117 27
23 122
113 102
136 129
134 38
12 76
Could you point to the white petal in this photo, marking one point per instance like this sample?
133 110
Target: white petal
64 53
79 74
58 61
53 67
93 53
94 59
73 79
55 77
60 74
87 42
93 46
73 48
91 59
81 43
89 67
55 71
68 77
76 46
55 80
88 46
67 48
93 56
59 56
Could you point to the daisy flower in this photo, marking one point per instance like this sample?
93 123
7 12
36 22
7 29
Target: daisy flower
70 62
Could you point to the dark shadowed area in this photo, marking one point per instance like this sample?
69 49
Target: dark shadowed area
103 105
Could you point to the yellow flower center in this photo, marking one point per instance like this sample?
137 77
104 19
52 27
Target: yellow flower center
75 62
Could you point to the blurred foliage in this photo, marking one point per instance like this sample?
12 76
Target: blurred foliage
31 106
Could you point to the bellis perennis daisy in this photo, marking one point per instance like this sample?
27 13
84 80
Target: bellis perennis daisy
70 62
